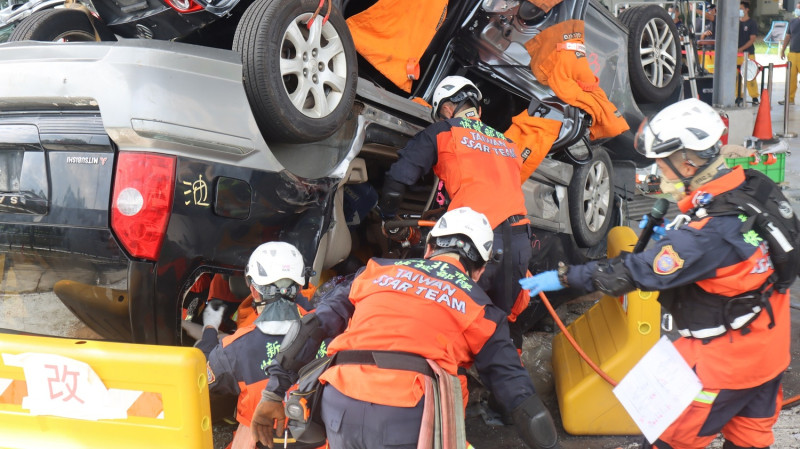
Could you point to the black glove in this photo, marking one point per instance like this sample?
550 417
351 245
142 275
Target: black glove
535 425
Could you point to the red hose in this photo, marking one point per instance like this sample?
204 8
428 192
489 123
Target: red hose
573 342
316 13
790 401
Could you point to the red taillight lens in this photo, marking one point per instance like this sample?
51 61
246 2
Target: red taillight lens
184 5
143 188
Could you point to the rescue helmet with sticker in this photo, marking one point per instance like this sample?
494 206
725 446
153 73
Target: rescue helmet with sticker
466 231
686 125
272 263
455 89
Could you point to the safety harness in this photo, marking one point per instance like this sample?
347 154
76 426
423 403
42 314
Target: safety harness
766 211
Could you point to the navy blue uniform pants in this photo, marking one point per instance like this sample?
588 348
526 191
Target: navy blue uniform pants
354 424
501 279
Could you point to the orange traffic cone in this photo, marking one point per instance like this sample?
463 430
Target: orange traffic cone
763 127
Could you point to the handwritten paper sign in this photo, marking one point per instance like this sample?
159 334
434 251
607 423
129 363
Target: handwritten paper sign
658 389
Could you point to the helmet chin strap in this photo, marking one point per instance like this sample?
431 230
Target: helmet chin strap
702 175
686 181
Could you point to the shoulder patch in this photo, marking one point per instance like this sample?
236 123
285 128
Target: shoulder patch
667 261
210 374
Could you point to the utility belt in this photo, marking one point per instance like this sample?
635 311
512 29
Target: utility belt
514 219
515 223
385 359
702 315
303 404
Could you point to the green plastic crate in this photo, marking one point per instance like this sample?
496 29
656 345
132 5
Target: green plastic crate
775 171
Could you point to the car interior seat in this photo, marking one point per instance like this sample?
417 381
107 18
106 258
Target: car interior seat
335 245
238 286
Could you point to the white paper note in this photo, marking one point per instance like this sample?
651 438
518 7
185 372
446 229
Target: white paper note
61 386
658 389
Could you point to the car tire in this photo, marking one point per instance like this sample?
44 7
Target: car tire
300 88
60 25
654 53
590 195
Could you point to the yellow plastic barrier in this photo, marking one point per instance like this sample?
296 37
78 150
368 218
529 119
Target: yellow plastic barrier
615 333
90 394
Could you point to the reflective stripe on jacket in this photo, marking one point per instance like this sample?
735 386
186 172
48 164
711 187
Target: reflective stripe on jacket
713 254
426 307
479 166
236 364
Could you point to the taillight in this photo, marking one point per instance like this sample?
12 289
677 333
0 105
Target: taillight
143 188
184 5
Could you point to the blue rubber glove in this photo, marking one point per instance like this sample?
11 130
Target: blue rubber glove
542 282
658 231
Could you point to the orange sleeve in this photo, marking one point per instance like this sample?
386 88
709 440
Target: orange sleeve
536 136
522 302
220 289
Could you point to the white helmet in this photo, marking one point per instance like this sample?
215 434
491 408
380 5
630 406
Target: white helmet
689 124
448 89
274 261
467 222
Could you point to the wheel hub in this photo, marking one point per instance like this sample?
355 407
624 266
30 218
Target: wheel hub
311 65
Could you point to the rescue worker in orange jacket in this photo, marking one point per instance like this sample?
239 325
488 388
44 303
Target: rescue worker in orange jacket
715 279
480 168
399 321
237 364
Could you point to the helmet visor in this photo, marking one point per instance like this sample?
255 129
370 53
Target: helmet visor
639 143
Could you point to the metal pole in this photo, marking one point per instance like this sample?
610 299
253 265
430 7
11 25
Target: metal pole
786 132
770 67
743 76
727 31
